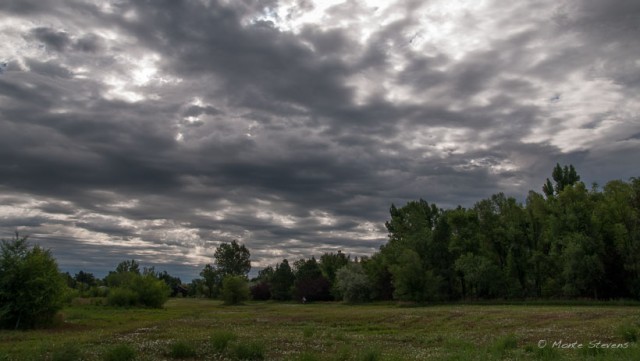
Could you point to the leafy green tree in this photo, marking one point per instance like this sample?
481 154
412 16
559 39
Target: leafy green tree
353 284
482 276
170 280
212 280
261 286
377 270
539 239
412 282
282 281
265 274
563 177
232 259
330 263
197 288
128 266
583 270
309 282
86 278
69 280
31 287
235 290
617 218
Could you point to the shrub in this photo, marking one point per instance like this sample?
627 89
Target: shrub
122 297
152 292
220 340
120 352
248 351
261 291
627 332
504 344
31 287
235 290
181 349
143 290
353 284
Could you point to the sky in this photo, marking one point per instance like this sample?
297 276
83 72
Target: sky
156 130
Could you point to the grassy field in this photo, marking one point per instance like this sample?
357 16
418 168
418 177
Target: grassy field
207 330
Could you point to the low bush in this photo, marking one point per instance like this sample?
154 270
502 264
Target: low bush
181 350
248 351
504 344
627 332
152 292
122 297
146 291
220 340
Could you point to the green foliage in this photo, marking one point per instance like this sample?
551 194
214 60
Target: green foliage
563 177
122 297
330 263
212 280
235 290
135 289
128 267
250 350
505 343
121 352
574 242
353 284
309 282
265 274
377 271
482 276
232 259
282 281
221 339
120 279
181 350
628 332
31 287
151 291
168 279
411 281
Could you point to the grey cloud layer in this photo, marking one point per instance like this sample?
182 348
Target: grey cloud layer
155 128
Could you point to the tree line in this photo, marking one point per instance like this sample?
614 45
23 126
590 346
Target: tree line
566 242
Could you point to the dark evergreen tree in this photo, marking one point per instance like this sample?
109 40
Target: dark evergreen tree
282 281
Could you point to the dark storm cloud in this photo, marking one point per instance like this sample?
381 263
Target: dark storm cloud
56 40
89 43
49 69
157 127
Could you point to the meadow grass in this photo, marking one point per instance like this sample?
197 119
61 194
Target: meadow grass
333 331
